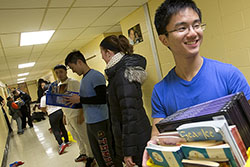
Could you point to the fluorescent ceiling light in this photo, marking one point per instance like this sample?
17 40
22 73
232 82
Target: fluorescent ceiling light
31 64
36 37
21 79
23 74
20 82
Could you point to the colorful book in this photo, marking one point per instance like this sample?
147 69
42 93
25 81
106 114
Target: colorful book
212 130
165 156
214 153
239 141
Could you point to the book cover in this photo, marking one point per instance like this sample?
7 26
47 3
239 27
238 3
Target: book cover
222 128
214 153
200 133
165 156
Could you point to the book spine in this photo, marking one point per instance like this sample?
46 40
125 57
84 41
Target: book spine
239 141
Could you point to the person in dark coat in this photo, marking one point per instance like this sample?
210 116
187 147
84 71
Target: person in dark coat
40 92
130 124
25 109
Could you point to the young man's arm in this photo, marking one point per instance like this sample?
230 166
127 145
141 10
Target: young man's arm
155 131
100 97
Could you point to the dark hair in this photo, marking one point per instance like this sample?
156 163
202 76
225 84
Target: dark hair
129 31
117 44
9 98
60 66
74 56
40 81
14 91
168 9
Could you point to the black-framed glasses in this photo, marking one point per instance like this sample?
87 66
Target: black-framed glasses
184 29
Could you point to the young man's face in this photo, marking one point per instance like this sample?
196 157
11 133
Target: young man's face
183 43
61 74
76 67
42 85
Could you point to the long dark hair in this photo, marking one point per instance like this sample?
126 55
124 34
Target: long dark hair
117 44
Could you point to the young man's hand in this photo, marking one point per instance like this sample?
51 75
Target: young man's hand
145 157
72 100
129 161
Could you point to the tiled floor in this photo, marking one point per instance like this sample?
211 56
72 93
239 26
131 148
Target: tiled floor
38 148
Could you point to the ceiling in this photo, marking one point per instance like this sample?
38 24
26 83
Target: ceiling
76 23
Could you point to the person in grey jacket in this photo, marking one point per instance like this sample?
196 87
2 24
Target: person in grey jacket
130 124
15 113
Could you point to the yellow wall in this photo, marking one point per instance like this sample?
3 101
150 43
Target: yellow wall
165 56
143 48
227 34
91 49
32 87
4 128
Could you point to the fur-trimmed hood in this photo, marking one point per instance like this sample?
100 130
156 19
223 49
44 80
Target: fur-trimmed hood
134 68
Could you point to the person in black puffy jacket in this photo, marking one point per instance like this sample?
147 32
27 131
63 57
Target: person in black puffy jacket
130 124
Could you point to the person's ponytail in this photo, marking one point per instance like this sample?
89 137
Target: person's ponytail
117 44
126 47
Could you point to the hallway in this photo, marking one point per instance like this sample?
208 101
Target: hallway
38 148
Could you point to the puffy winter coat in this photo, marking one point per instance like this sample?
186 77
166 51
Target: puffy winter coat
130 124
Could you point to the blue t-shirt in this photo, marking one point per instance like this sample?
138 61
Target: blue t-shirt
93 113
214 80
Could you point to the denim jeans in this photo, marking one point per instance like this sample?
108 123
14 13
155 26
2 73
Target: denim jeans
19 125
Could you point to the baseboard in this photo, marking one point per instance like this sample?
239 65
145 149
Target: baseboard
6 149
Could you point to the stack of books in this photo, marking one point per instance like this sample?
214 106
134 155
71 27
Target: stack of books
234 108
206 143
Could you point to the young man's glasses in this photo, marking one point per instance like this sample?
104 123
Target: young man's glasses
184 29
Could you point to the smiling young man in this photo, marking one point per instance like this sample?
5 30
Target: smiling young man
194 79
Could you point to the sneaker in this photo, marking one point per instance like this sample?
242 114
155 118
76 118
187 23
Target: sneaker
62 148
68 144
82 157
20 133
90 162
